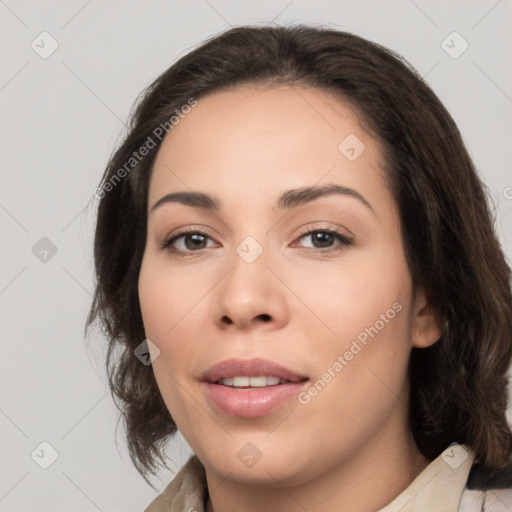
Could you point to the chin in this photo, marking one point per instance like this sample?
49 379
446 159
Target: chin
260 463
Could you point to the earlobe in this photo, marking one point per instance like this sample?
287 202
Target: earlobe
427 325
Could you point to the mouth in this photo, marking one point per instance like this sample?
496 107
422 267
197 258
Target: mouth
255 372
261 381
250 388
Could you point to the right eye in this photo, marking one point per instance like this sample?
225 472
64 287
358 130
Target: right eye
186 242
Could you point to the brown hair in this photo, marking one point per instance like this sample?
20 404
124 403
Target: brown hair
459 384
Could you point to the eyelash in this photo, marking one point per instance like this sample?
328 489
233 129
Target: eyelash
345 241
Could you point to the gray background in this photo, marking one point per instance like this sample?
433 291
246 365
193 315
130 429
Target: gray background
61 117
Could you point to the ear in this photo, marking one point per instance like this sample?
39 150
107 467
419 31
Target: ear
427 324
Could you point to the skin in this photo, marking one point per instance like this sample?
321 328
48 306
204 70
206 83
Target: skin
350 447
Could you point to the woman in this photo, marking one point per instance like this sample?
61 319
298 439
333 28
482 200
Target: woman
294 235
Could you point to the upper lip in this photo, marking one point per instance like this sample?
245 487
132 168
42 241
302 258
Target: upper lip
251 368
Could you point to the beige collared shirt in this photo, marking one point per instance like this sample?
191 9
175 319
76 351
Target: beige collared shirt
440 487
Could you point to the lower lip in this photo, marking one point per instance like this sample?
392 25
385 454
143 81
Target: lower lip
251 402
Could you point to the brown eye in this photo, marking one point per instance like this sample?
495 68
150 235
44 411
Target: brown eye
194 241
325 238
322 240
189 241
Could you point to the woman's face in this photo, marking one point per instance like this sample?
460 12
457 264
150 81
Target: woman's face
335 306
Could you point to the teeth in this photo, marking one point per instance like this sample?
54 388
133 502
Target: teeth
241 381
255 382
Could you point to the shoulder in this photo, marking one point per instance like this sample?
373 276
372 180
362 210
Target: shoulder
490 500
487 492
480 478
186 491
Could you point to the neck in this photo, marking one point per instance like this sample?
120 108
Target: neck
364 482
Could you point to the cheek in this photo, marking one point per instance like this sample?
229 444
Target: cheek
162 306
350 296
165 309
378 313
165 296
174 305
366 302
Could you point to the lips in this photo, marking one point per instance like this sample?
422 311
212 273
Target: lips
246 401
257 367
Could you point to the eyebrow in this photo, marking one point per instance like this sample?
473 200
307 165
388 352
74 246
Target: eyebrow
288 200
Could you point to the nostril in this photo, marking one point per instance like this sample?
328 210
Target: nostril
265 317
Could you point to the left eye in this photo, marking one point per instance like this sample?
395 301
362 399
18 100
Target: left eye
325 238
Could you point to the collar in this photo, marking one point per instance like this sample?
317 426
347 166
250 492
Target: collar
438 487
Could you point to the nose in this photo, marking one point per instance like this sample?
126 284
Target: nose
250 296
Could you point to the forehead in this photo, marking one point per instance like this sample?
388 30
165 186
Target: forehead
244 143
